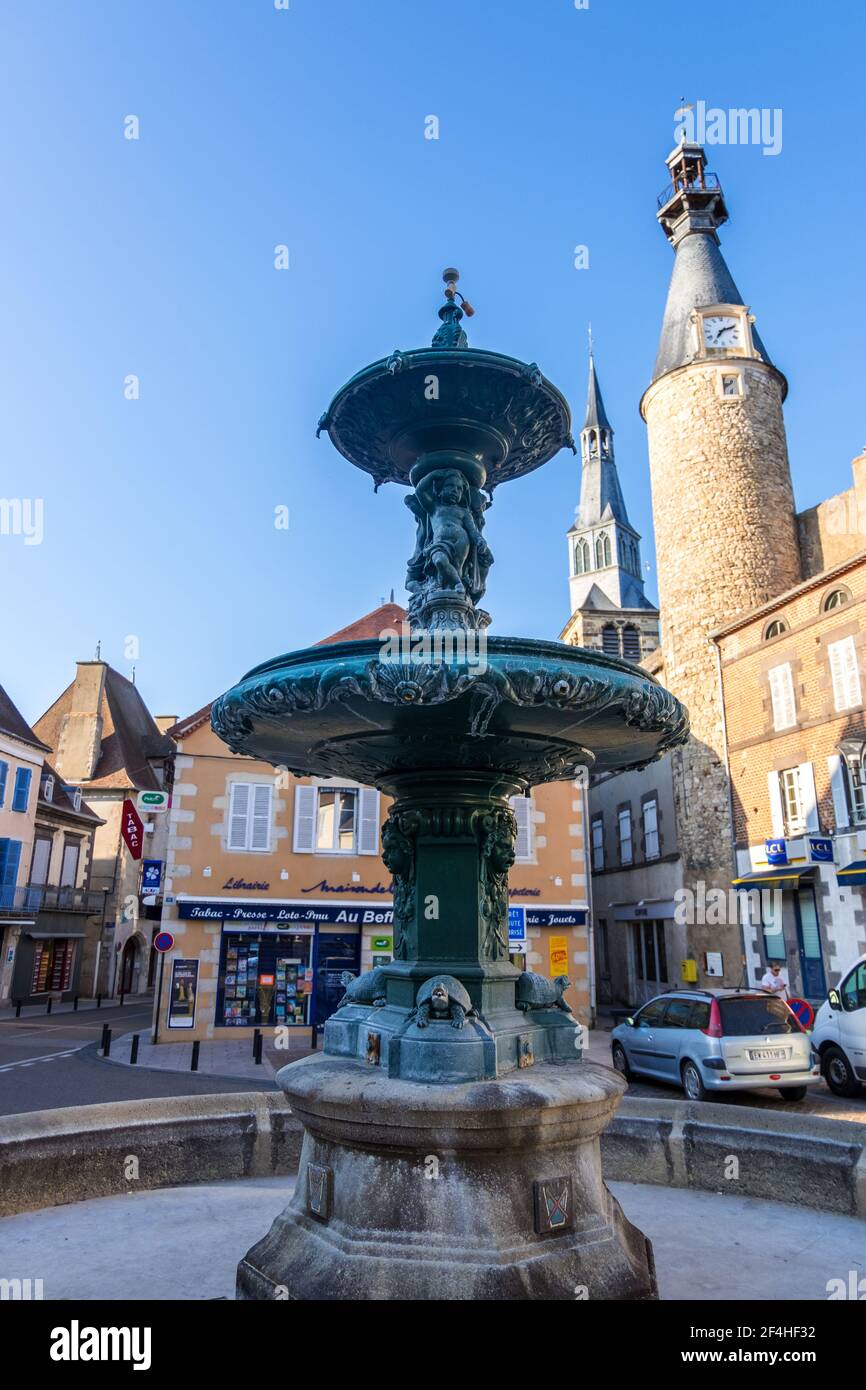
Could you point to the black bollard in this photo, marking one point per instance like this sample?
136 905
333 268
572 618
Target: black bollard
75 1005
314 1037
133 1051
99 1001
18 1009
195 1050
257 1048
105 1043
121 998
50 1001
257 1033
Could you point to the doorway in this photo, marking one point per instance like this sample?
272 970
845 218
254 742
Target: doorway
809 944
129 966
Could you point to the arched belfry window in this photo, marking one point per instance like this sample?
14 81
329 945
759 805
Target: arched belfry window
610 639
582 556
631 642
602 550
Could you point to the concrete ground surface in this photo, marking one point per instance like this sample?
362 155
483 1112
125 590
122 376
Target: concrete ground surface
183 1243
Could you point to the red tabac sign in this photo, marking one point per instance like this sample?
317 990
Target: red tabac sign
132 829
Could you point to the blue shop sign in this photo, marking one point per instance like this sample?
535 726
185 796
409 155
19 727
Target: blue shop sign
820 849
516 925
776 851
151 875
284 914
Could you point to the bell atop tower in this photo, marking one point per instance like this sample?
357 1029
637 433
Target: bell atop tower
693 201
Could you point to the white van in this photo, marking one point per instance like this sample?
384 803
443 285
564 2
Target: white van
839 1034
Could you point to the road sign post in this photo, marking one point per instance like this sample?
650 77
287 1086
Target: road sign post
162 942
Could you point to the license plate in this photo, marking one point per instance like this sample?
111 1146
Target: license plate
769 1054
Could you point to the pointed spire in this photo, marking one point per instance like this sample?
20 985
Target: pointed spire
595 412
601 497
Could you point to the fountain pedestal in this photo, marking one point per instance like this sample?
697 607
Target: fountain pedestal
488 1190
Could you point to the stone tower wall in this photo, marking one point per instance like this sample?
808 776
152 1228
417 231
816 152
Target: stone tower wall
726 541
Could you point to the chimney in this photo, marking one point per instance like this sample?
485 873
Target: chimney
80 741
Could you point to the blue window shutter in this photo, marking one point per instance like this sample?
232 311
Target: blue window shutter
10 855
21 794
4 773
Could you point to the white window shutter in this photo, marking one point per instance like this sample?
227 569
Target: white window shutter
522 808
239 809
808 797
368 821
782 696
304 829
777 819
837 787
260 831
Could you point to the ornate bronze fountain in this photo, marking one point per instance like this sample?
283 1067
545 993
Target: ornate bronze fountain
448 1056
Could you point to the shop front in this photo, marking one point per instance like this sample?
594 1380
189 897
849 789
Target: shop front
280 964
48 962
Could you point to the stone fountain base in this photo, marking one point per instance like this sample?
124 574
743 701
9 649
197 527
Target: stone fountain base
487 1190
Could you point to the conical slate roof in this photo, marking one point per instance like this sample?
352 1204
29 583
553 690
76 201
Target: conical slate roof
700 277
595 411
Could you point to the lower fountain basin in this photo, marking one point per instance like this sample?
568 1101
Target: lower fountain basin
534 711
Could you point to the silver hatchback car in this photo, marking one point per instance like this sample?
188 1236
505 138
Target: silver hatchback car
717 1040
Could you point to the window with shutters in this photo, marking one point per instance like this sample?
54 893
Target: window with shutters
250 806
597 844
21 794
624 826
610 639
336 820
651 842
844 673
793 810
524 843
782 696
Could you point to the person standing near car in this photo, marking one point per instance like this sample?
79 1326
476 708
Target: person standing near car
776 981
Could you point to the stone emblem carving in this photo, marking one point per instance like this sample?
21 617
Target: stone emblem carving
320 1189
554 1205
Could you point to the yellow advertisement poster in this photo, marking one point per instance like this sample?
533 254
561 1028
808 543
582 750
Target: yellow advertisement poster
558 946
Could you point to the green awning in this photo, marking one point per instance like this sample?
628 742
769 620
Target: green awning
853 873
785 876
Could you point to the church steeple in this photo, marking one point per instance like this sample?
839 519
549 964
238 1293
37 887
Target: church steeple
609 608
601 497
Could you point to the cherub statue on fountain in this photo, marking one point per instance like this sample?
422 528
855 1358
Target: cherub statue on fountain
450 552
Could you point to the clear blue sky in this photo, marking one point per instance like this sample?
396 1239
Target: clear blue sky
306 127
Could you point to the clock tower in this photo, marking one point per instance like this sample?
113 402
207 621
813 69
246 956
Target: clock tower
723 505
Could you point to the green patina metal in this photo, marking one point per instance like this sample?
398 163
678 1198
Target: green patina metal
451 731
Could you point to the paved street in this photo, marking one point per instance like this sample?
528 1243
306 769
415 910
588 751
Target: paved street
51 1060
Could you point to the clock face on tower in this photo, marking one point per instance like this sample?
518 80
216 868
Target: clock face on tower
722 331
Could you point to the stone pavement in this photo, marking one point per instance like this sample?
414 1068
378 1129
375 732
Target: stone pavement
184 1243
85 1006
229 1059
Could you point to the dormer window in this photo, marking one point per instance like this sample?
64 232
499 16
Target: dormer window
835 599
47 788
774 629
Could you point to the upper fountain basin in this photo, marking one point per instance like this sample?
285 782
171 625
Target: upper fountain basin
499 411
533 711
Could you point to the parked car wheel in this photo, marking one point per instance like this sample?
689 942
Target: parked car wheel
793 1092
692 1083
620 1061
839 1074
